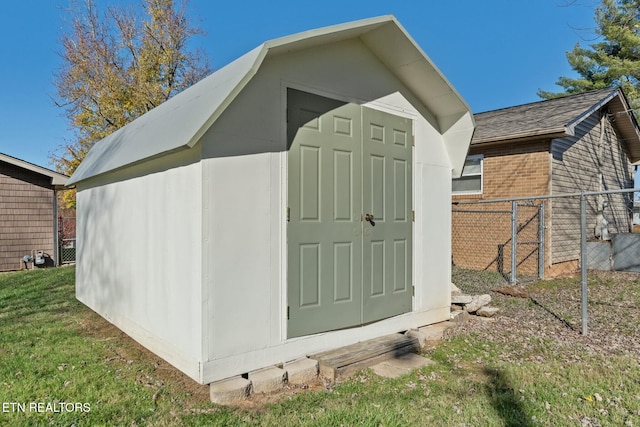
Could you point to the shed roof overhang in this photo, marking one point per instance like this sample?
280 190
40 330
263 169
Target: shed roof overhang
58 180
180 122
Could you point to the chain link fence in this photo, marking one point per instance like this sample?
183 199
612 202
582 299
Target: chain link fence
502 236
522 240
66 240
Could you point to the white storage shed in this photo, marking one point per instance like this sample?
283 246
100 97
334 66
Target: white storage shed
294 201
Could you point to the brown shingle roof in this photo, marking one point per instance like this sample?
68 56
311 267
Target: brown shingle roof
536 118
557 118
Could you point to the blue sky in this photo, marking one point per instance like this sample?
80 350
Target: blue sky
497 53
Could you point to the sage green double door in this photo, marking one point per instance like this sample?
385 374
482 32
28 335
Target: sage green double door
349 214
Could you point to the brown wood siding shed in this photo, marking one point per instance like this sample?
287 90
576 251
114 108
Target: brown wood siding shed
27 215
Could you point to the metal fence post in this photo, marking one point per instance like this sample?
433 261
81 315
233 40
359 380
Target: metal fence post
541 231
514 241
583 261
56 231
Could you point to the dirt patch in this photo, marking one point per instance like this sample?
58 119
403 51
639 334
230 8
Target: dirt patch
553 315
122 351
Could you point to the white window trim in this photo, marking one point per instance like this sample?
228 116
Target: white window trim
462 193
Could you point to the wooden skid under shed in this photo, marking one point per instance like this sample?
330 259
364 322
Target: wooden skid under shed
345 361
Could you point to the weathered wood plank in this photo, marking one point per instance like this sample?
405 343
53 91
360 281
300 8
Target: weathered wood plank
346 360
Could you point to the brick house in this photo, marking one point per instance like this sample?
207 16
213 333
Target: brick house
584 142
28 206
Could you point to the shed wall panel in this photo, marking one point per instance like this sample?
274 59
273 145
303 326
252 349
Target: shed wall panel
432 229
255 118
139 245
239 251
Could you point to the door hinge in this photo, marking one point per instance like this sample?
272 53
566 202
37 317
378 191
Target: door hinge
413 216
288 313
413 290
413 140
288 214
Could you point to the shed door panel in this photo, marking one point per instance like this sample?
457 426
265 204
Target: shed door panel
323 236
345 161
386 154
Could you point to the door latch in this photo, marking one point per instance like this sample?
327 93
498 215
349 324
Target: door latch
369 217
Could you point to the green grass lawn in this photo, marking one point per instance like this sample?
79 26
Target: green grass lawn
61 364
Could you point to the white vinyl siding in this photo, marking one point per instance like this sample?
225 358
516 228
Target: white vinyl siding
471 180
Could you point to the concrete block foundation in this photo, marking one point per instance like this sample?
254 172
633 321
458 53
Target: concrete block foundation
267 379
231 390
301 371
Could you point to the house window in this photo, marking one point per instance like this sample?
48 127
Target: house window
471 180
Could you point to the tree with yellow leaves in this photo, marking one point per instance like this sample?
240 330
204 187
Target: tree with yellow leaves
118 64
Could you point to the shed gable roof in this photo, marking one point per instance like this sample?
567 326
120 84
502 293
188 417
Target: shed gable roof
57 179
557 118
180 122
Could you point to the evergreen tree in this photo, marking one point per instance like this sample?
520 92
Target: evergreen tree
614 60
